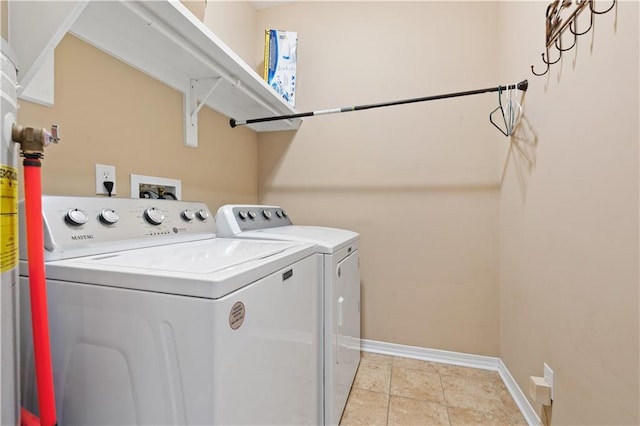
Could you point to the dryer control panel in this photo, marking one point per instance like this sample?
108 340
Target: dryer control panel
82 226
232 219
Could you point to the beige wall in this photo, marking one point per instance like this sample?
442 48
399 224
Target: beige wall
569 218
530 254
234 22
113 114
197 7
561 205
418 182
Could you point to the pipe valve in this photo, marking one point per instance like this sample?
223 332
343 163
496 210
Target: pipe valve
35 140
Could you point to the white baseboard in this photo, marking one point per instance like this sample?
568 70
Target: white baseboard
518 396
463 360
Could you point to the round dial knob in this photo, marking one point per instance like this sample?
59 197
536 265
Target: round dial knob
279 213
154 216
203 214
252 215
109 216
284 213
267 214
242 215
76 217
188 215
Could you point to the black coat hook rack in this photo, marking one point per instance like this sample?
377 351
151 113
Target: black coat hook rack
557 25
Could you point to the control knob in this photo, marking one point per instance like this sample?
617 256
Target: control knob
76 217
267 214
109 216
242 215
252 215
188 215
154 216
203 214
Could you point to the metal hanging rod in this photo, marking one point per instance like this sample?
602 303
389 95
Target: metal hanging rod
523 85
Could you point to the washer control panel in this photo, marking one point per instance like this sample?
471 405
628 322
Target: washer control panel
78 226
239 218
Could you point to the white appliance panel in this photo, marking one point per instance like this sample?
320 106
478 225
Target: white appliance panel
155 321
339 295
272 222
329 240
203 257
64 238
125 357
345 328
209 268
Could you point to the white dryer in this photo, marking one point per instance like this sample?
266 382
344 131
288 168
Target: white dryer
154 321
339 295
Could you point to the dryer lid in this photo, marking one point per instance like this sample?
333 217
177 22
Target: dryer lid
209 268
329 240
196 258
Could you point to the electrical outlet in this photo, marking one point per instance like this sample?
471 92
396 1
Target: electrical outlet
105 173
548 377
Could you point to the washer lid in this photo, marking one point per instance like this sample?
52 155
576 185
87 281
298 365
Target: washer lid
329 240
209 268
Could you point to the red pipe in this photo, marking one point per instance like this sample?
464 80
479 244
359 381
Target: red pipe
38 290
27 418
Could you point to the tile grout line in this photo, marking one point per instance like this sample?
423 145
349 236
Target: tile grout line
444 397
396 360
476 362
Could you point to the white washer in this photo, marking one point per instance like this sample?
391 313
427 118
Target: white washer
339 297
154 321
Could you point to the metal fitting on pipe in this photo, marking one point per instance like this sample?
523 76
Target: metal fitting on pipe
33 141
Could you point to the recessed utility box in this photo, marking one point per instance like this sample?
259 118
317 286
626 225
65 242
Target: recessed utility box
155 187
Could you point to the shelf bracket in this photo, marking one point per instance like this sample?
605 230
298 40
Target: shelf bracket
34 31
191 109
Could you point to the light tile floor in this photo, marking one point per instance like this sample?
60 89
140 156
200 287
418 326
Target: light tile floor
399 391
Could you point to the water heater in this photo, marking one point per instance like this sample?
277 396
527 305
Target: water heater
9 367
